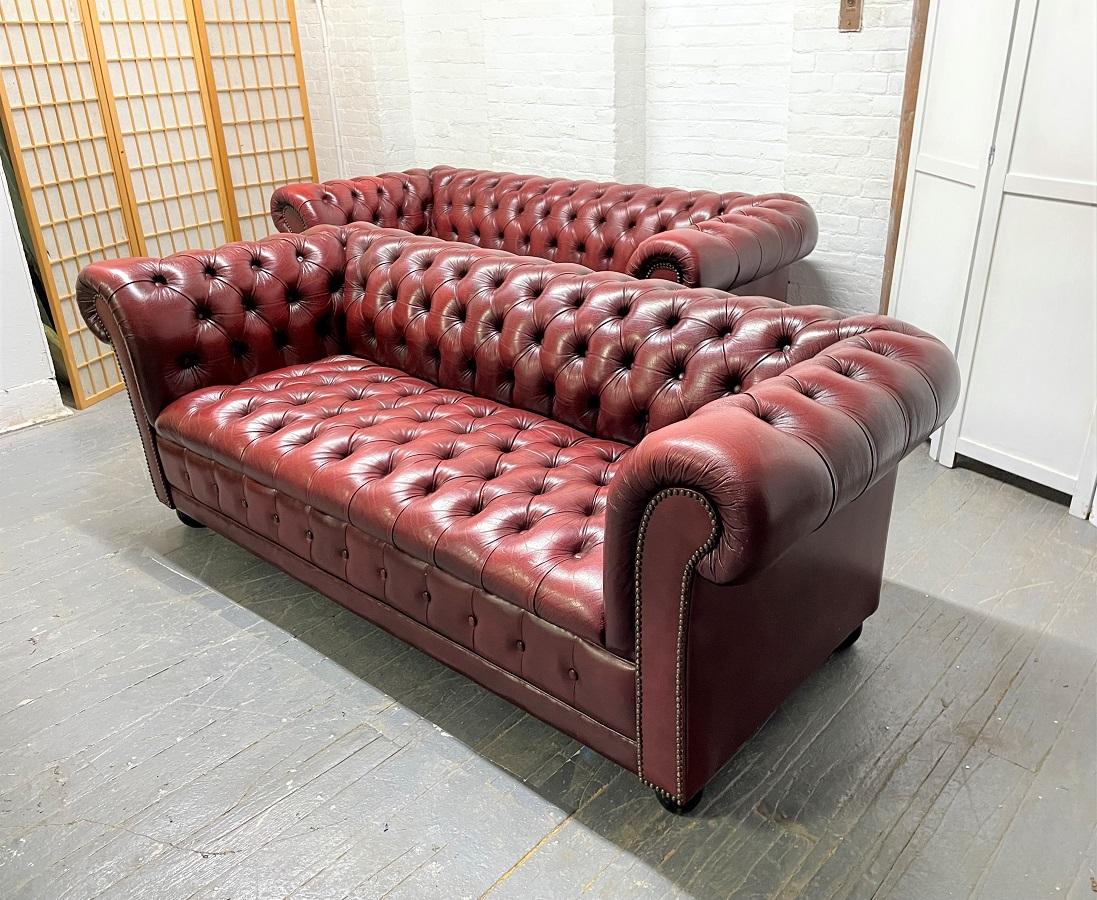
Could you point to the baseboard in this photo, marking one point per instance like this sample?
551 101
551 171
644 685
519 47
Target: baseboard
31 404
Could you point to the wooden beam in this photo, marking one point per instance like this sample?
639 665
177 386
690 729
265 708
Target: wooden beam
915 51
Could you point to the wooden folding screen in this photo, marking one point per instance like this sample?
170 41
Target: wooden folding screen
164 123
256 70
145 127
65 161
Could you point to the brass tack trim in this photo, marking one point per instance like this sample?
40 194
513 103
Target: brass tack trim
680 648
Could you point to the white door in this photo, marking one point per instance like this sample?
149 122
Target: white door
1022 241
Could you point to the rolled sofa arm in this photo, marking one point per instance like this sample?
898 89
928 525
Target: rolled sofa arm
209 317
392 200
776 462
747 243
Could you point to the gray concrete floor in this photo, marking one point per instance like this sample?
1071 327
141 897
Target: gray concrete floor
179 719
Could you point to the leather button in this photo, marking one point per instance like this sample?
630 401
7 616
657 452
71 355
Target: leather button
275 519
472 621
573 675
521 645
309 535
244 503
382 573
426 596
345 553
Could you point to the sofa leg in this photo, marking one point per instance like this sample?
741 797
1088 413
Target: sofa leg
850 640
187 520
679 809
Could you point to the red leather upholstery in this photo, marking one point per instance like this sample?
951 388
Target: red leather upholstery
697 238
611 355
505 500
778 461
392 200
641 480
215 317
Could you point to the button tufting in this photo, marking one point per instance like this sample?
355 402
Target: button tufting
573 675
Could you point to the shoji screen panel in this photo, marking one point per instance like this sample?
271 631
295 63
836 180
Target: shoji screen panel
65 161
256 69
156 78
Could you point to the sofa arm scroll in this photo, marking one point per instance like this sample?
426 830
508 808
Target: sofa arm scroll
733 249
393 200
211 317
776 462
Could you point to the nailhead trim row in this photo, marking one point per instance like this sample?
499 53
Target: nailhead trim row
680 647
662 262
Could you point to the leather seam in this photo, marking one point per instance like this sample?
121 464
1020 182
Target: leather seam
137 407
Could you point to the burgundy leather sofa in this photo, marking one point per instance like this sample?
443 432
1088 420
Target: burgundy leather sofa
642 512
697 238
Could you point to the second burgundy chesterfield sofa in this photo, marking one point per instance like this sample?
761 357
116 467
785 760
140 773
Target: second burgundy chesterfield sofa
731 241
643 513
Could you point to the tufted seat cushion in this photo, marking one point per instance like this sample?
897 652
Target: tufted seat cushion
501 498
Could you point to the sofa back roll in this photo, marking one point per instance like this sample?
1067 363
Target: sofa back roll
612 355
697 238
392 200
597 225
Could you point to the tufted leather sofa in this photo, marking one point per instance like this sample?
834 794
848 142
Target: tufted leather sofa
643 512
696 238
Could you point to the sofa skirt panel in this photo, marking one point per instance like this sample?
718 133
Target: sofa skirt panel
579 688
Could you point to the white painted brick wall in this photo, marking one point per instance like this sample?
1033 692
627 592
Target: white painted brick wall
366 64
717 93
565 85
845 94
446 80
753 95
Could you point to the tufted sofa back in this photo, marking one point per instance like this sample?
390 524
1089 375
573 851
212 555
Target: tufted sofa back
600 225
612 355
615 356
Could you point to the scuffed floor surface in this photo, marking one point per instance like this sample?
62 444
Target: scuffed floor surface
178 719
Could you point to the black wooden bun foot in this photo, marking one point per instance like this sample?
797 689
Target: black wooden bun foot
679 809
187 520
851 640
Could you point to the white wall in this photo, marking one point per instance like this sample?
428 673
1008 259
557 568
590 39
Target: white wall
751 95
717 93
28 391
845 96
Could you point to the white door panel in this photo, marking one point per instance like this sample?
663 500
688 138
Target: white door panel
1056 135
1033 381
964 80
940 227
998 248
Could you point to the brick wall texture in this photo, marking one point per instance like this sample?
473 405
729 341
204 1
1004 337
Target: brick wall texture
751 95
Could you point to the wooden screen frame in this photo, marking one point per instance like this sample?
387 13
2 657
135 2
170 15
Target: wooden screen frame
127 209
45 262
204 28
